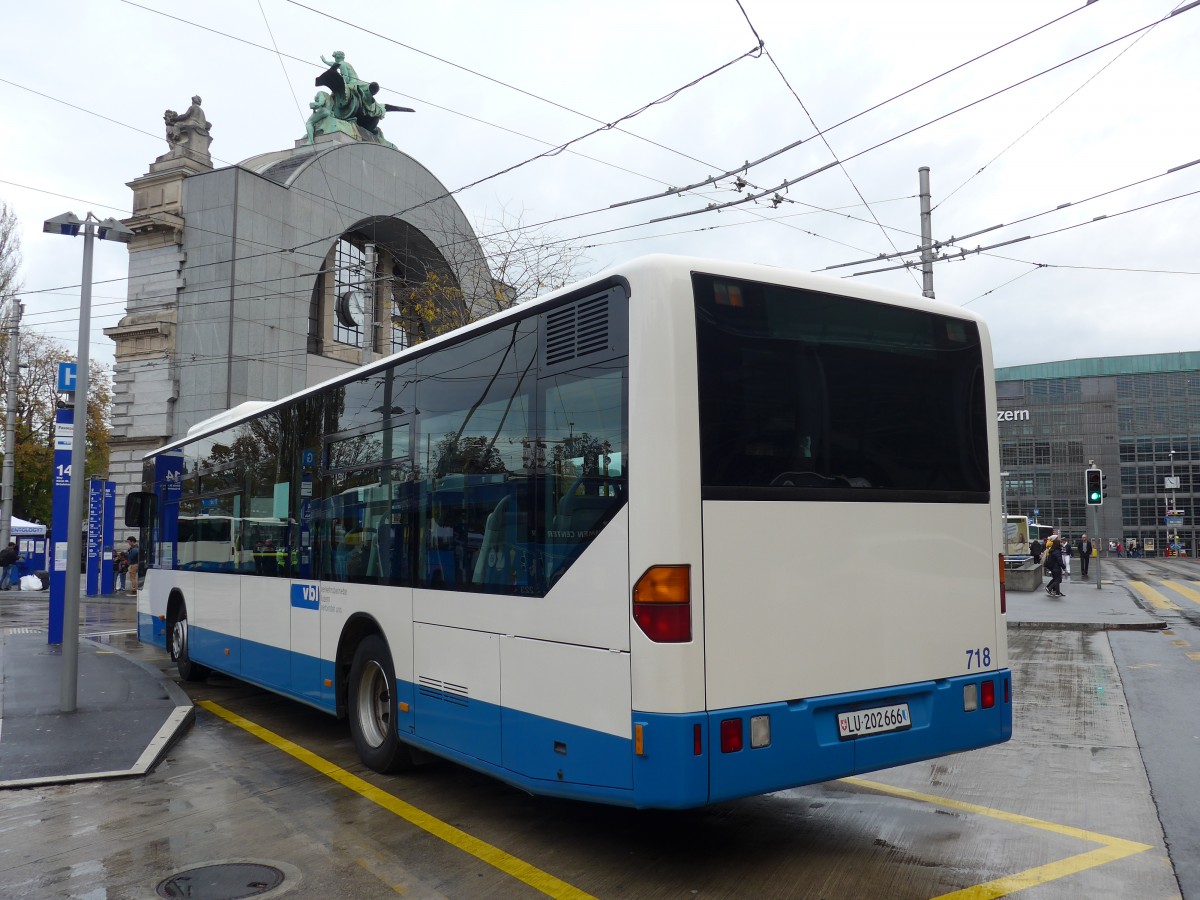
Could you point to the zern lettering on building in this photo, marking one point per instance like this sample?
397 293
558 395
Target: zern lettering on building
1012 415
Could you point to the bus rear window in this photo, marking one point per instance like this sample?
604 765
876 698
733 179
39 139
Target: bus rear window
807 395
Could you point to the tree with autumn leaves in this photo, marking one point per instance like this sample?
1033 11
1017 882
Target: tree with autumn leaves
525 261
37 396
37 404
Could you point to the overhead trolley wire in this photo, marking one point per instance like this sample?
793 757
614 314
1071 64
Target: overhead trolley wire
952 240
787 183
1051 112
774 153
963 253
813 122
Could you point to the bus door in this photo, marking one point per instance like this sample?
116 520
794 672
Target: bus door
261 549
215 606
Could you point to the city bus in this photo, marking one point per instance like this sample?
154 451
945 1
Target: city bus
1041 532
685 532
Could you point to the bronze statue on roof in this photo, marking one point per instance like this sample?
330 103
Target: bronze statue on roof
350 107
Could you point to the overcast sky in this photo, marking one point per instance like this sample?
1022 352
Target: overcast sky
84 86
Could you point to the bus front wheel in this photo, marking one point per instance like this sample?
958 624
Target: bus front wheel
188 670
372 695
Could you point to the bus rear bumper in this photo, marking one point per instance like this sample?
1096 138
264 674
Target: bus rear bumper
805 746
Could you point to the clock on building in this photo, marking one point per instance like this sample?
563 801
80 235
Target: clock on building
352 308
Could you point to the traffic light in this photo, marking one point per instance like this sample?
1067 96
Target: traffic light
1094 484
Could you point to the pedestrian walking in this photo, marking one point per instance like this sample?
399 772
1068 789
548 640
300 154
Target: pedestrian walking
1065 547
1085 554
1054 565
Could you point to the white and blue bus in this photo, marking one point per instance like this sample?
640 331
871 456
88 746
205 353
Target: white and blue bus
685 532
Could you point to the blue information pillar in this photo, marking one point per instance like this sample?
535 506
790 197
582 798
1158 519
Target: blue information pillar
95 533
60 505
106 566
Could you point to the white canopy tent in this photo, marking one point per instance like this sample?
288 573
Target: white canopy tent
21 528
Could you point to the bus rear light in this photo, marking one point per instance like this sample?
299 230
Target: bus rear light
697 740
662 604
970 697
731 735
760 731
1003 597
1006 700
987 694
639 739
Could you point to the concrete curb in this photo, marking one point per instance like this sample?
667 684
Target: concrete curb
1092 626
178 721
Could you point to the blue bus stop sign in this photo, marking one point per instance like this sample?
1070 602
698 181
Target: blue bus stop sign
67 373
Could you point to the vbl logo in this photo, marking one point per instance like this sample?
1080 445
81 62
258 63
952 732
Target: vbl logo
306 596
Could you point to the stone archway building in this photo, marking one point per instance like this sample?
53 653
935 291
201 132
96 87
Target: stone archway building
257 280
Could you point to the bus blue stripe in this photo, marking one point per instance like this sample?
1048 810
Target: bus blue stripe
550 757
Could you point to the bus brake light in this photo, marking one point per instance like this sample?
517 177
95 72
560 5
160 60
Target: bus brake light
731 735
662 604
987 694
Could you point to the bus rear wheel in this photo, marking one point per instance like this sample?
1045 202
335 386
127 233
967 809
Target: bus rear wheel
188 670
372 706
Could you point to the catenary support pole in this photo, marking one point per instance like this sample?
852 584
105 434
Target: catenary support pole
8 477
70 644
926 235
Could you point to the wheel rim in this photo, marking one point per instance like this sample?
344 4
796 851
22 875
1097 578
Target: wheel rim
374 706
179 639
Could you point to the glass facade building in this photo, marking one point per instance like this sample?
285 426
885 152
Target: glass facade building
1136 417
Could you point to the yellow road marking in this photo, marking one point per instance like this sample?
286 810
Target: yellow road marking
493 856
1113 848
1191 593
1153 597
1194 657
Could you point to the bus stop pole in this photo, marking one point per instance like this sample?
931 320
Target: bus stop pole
70 645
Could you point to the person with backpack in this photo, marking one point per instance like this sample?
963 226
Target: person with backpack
9 557
131 555
1054 565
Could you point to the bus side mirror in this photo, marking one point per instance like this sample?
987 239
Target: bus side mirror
139 509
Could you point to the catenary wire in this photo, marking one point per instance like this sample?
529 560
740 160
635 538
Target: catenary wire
812 121
788 183
1051 112
774 153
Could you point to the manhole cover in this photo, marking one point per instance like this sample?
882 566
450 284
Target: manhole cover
229 881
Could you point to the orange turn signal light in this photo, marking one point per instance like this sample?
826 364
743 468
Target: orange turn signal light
664 584
662 600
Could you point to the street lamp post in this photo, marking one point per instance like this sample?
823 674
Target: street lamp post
1174 486
108 229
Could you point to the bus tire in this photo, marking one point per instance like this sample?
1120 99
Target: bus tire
372 708
188 670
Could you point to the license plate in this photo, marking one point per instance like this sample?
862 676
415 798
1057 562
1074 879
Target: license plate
873 721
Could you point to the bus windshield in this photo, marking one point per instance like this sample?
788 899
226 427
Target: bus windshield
806 395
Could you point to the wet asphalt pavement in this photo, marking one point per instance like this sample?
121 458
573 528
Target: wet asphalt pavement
1074 806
